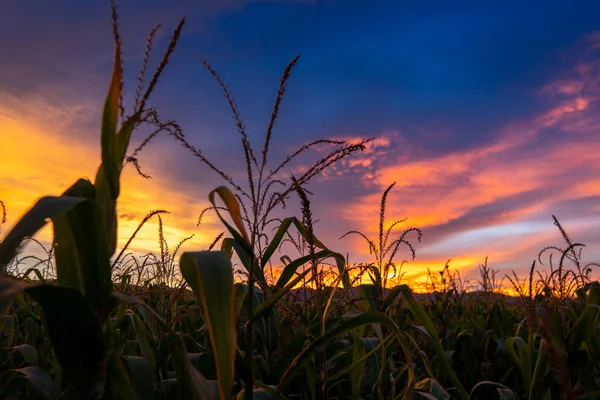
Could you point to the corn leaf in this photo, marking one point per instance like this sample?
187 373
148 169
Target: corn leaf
210 275
41 382
343 327
187 376
233 207
81 251
76 337
34 219
422 317
142 376
110 119
119 386
267 305
583 328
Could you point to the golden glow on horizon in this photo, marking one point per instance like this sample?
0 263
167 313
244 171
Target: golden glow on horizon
37 162
36 159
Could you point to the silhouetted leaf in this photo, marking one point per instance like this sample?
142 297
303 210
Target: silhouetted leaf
76 337
34 219
81 252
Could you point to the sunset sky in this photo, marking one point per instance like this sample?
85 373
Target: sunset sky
487 117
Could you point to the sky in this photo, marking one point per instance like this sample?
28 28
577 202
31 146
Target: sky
485 115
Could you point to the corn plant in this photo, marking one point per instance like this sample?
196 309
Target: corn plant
251 208
385 250
76 310
98 324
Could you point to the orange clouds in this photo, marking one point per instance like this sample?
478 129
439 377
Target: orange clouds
38 158
497 198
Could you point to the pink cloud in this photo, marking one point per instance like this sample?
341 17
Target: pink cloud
514 181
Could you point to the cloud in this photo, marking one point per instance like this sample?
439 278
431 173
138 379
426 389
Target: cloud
498 195
42 153
491 194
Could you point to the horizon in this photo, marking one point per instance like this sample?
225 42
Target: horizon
484 117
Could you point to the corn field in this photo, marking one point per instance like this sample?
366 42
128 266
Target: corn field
95 322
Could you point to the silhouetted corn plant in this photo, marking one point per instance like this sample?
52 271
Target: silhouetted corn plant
251 206
386 249
77 309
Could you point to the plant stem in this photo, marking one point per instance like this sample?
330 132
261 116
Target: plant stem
249 382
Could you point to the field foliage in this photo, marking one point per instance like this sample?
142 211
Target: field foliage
91 322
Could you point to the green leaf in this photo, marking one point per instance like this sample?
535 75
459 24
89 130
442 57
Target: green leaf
584 327
305 234
368 295
145 309
280 234
359 357
267 305
371 343
358 366
348 325
143 339
28 353
240 295
233 207
230 244
76 337
186 374
541 367
123 137
110 119
433 389
81 188
82 259
108 208
142 376
41 382
210 275
341 264
275 241
288 272
389 299
519 350
34 219
290 269
119 386
422 317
